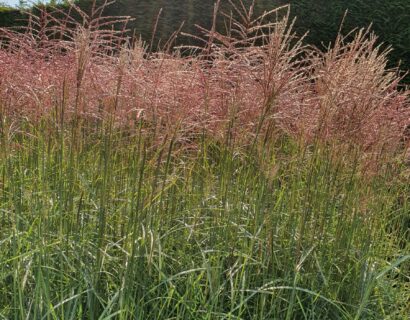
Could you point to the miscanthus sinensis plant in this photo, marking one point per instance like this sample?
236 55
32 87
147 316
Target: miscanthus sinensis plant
251 177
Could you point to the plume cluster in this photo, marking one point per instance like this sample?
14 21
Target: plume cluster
254 78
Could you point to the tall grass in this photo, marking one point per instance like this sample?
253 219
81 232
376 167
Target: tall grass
254 179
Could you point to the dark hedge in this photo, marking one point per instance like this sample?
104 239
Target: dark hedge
391 19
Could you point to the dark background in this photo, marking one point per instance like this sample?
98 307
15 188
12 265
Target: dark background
390 18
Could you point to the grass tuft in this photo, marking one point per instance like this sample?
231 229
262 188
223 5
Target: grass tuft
255 178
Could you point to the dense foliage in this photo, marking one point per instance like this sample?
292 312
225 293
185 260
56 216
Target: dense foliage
258 178
11 17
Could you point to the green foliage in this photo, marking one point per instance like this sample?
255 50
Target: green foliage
97 224
149 219
10 17
4 8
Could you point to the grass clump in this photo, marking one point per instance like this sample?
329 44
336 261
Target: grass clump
255 179
120 227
